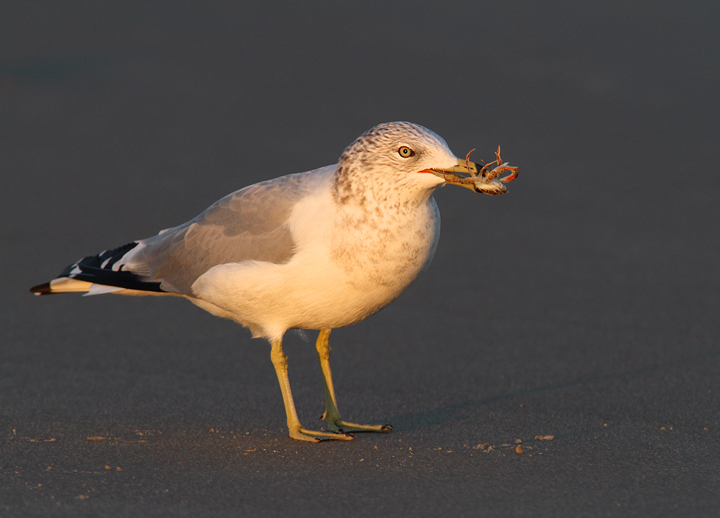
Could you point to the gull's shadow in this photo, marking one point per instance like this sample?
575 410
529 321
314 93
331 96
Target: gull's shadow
447 414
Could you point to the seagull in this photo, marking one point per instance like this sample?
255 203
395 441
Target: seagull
316 250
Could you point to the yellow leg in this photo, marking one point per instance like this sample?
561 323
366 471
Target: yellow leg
280 363
331 415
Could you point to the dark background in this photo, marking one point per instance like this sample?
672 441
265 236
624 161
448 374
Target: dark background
583 304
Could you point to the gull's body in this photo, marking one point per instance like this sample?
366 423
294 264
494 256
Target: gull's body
315 250
337 257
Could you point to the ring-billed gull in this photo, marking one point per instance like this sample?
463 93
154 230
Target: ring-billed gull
315 250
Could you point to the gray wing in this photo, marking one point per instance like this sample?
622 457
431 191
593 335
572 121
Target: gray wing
249 224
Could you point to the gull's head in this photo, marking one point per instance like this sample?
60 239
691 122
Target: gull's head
402 156
399 151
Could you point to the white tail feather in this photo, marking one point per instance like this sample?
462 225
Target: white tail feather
68 285
99 289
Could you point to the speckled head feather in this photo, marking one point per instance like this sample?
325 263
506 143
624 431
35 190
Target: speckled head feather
374 156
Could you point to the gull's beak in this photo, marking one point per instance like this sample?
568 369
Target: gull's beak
476 178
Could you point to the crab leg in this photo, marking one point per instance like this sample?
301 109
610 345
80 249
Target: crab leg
467 164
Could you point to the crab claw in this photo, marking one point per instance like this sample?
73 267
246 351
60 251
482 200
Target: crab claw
513 174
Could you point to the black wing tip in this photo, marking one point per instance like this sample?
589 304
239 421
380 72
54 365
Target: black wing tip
98 269
41 289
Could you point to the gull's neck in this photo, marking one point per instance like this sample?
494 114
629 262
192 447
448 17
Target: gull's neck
368 190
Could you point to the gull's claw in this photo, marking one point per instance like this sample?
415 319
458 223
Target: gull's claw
344 427
301 434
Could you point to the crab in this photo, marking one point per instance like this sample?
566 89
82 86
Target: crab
487 179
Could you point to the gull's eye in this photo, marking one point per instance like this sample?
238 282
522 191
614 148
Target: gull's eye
406 152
